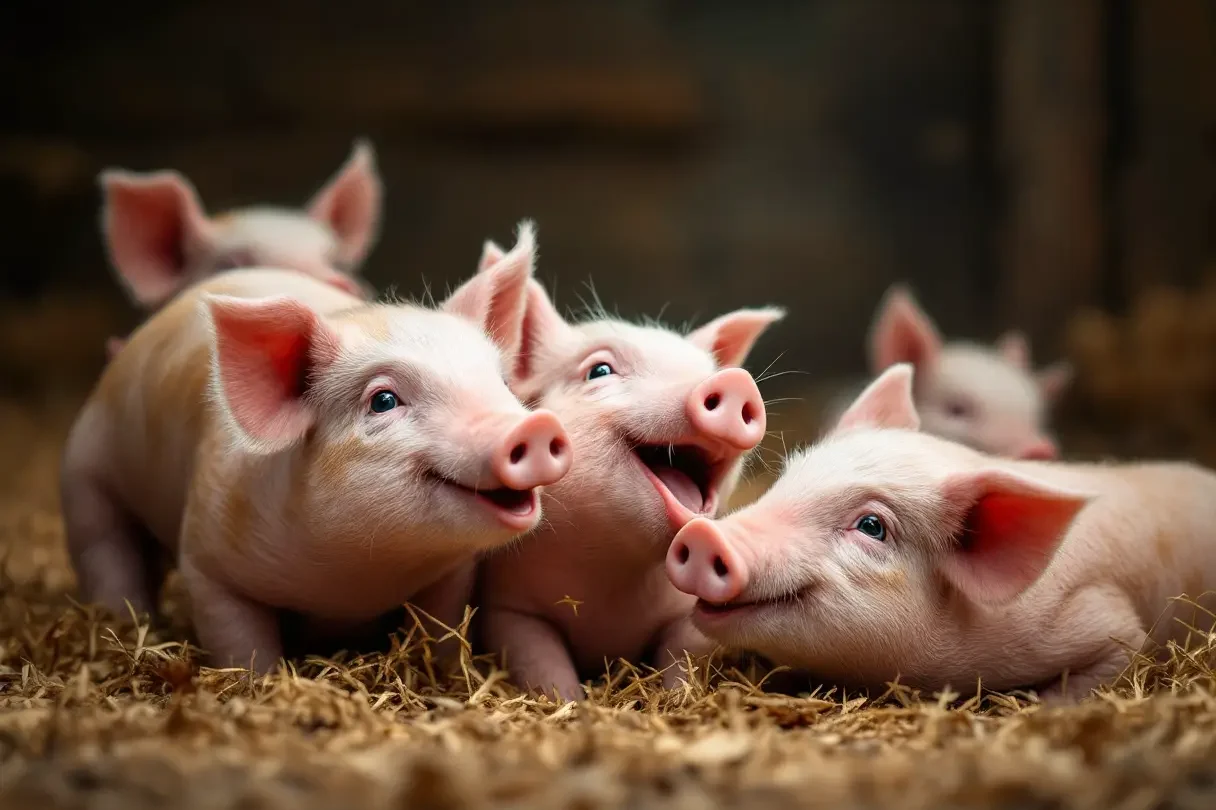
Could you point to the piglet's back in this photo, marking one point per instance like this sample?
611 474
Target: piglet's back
1151 532
152 408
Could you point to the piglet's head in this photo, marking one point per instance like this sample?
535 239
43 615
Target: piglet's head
986 397
874 547
396 418
160 239
661 421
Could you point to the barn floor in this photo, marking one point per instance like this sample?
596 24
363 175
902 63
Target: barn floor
95 713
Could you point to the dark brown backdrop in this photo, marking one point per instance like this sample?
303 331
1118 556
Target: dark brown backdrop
1013 160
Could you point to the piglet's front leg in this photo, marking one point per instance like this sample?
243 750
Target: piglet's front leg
1105 654
535 653
443 604
676 643
1078 685
233 630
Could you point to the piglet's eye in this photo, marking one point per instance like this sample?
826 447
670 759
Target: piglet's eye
599 370
234 261
959 409
872 526
384 401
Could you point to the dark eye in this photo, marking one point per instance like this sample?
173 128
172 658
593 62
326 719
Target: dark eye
871 526
383 401
599 370
234 261
958 409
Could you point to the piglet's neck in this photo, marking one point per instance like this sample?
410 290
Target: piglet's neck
291 548
613 551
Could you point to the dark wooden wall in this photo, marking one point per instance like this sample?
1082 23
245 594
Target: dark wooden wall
1013 160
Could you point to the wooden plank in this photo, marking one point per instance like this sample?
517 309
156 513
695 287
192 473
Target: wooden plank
1050 135
411 65
1166 186
816 178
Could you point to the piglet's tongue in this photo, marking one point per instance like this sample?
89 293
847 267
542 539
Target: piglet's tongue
681 486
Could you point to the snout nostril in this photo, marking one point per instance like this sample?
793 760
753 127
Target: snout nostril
556 447
518 452
682 553
720 567
712 401
748 416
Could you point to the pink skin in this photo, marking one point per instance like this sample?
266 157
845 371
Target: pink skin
986 398
660 424
160 240
885 552
290 447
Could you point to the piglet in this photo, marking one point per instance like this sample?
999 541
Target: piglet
884 551
987 397
660 423
160 240
293 449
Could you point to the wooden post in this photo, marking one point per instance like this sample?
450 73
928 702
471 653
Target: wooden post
1166 185
1051 137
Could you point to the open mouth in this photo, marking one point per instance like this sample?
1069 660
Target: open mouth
685 477
515 501
719 611
515 507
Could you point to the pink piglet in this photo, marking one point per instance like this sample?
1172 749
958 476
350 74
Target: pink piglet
886 552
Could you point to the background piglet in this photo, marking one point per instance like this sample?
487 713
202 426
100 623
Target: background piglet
160 239
885 552
987 397
660 423
293 449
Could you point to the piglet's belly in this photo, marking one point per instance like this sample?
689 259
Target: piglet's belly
157 503
352 590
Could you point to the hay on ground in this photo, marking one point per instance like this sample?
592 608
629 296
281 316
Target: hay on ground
110 712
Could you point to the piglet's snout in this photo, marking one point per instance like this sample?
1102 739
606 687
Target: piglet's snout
728 407
1039 450
702 563
535 453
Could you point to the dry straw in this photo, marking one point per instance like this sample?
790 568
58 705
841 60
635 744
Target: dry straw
98 711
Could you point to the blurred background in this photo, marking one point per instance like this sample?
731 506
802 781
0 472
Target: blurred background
1033 163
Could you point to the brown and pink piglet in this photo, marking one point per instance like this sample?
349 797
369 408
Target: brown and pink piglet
291 448
886 552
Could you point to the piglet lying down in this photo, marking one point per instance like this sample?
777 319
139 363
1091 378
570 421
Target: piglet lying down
885 552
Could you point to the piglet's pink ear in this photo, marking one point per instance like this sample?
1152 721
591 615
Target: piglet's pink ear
494 298
543 326
886 403
902 333
265 350
730 337
152 224
491 254
1015 349
1010 531
1054 379
350 204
